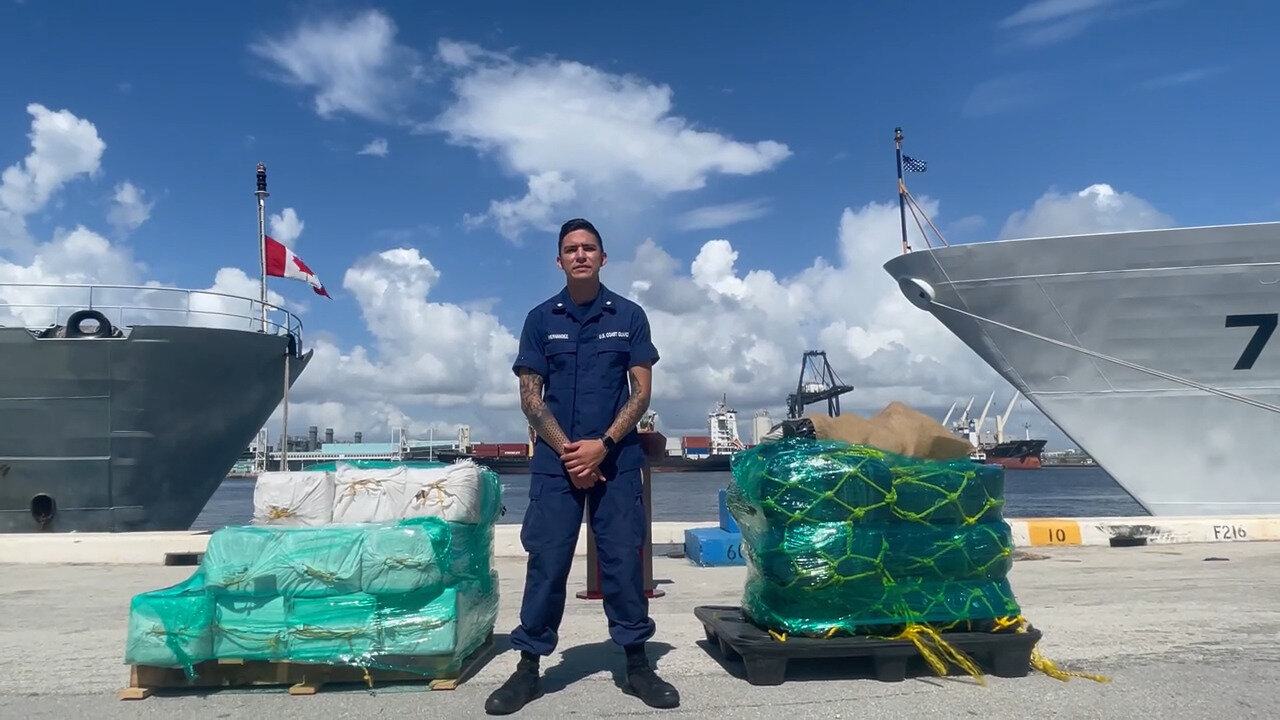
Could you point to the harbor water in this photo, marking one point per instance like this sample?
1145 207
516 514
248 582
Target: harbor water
692 497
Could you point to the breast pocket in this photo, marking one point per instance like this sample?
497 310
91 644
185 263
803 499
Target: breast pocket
562 357
613 357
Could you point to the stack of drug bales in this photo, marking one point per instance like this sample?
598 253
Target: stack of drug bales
374 565
847 539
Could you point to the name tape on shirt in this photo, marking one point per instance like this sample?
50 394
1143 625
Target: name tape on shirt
558 336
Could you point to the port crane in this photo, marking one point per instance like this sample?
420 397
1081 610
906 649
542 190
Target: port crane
818 382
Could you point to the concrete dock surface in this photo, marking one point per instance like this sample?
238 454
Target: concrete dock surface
1184 631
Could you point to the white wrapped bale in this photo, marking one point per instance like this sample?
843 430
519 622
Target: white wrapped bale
368 495
450 493
399 559
250 628
300 499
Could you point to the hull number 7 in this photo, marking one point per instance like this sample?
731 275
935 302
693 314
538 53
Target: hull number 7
1265 324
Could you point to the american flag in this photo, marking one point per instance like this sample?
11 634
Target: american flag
910 164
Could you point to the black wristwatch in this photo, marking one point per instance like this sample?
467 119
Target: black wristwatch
608 442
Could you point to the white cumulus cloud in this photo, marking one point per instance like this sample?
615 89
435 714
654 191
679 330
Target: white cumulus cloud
63 148
129 208
353 65
533 210
376 146
427 359
609 134
1095 209
286 226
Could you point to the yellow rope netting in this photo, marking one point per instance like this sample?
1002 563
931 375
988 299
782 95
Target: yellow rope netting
1042 663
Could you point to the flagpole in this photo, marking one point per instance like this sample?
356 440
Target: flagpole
284 425
902 191
261 236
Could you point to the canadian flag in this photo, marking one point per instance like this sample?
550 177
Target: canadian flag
281 262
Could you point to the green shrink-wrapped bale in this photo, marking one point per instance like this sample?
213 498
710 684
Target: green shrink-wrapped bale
419 623
171 627
318 562
451 624
417 594
954 492
848 538
257 561
237 561
339 629
250 628
405 557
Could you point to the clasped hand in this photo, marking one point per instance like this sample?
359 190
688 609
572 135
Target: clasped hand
582 459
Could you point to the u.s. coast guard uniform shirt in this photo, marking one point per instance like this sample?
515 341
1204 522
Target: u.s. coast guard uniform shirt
583 353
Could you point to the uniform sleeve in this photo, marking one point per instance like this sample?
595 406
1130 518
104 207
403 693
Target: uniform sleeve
532 354
642 348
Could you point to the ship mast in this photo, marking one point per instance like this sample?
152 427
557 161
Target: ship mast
261 193
902 190
909 164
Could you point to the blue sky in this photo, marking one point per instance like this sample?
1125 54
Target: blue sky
428 153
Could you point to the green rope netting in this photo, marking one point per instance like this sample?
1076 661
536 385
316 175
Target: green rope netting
844 538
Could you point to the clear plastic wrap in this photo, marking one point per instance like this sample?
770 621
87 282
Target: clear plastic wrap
418 595
293 498
844 538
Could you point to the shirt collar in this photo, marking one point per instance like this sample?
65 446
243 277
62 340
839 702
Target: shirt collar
605 301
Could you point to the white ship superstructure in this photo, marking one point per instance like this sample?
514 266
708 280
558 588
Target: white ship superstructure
1153 350
722 427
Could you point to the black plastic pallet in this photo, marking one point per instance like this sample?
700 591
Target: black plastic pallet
1006 654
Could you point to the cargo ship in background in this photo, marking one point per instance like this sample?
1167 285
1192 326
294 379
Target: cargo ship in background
1009 453
1016 454
693 453
690 453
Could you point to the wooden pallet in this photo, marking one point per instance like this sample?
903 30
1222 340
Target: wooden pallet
304 678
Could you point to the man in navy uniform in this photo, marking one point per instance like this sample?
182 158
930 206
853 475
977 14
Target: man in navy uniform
585 365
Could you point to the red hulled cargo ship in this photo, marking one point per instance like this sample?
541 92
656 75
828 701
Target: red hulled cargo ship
1016 454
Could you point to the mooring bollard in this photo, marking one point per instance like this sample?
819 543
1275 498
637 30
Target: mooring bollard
646 549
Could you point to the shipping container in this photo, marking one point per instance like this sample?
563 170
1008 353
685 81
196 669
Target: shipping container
493 450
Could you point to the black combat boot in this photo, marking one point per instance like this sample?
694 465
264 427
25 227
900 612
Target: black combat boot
518 690
645 684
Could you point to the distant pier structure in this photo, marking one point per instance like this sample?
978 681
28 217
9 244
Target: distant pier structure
300 452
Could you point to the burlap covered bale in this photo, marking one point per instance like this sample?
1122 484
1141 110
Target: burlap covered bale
897 429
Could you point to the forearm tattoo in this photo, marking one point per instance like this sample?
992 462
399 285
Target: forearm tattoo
539 415
632 411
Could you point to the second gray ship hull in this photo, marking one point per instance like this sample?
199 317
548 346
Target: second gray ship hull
1152 350
129 434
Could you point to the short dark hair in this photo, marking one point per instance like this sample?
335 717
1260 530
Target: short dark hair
578 224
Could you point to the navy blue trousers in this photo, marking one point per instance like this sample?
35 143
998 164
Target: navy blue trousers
549 536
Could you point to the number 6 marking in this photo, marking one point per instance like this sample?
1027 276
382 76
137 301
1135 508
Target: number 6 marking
1266 324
